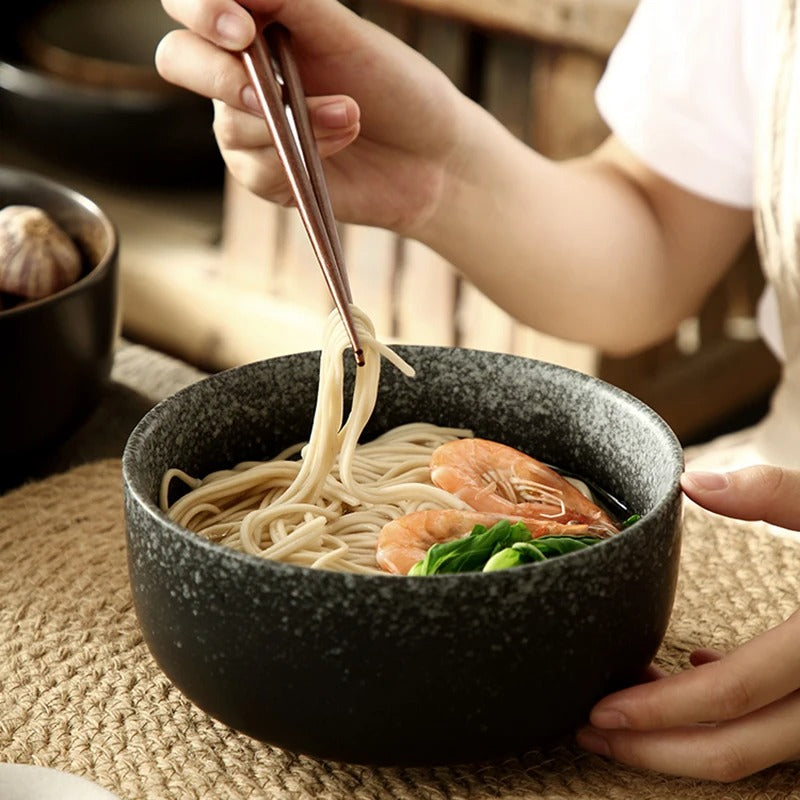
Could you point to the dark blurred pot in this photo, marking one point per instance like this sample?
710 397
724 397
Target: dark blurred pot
395 670
136 131
56 353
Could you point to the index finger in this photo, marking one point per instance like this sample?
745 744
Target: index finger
754 675
222 22
324 26
762 492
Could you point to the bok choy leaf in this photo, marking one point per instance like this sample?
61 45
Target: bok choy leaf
470 553
503 545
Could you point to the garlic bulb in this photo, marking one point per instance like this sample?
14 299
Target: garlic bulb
37 258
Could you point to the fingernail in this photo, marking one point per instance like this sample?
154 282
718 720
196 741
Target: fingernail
233 29
705 481
609 719
249 98
593 742
332 115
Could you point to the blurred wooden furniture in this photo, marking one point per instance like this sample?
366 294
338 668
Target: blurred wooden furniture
534 64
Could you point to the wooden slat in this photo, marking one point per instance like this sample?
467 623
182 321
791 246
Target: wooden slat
446 43
390 16
373 255
505 94
266 249
250 236
297 275
178 304
565 121
426 284
425 292
371 258
593 25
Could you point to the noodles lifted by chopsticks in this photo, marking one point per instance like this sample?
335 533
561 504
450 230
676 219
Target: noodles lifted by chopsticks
325 509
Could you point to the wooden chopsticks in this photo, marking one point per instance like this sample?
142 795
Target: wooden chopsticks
273 73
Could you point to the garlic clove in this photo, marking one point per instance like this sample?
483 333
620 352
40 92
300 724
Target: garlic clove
37 258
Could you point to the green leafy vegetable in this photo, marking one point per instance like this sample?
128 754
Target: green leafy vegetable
470 553
551 546
502 546
631 519
537 550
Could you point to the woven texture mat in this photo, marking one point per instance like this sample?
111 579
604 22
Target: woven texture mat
80 692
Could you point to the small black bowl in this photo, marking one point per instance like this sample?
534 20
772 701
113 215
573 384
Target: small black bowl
400 670
56 352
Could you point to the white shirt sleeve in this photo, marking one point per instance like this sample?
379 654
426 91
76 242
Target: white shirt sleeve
675 93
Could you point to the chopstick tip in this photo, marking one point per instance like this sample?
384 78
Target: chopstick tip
359 354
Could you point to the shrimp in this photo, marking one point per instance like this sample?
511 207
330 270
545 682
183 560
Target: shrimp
405 541
493 477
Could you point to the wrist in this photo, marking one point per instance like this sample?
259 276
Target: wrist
462 172
480 178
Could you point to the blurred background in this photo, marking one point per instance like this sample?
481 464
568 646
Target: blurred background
218 278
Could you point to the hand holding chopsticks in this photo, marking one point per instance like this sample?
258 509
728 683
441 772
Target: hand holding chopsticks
273 73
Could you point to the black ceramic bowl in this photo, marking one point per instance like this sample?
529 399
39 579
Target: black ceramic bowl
399 670
56 353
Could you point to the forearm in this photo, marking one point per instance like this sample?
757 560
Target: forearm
582 249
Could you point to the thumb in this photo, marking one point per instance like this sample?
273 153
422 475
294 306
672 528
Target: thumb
762 492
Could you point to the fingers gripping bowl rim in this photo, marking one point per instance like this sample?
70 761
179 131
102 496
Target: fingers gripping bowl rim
387 669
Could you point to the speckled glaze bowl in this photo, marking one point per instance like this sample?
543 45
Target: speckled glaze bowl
399 670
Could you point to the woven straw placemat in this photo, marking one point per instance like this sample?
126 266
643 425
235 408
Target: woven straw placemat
80 692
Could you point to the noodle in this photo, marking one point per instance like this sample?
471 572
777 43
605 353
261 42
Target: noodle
325 510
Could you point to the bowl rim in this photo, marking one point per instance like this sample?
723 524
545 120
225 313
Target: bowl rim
97 271
232 557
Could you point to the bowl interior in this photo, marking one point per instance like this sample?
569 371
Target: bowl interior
569 420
